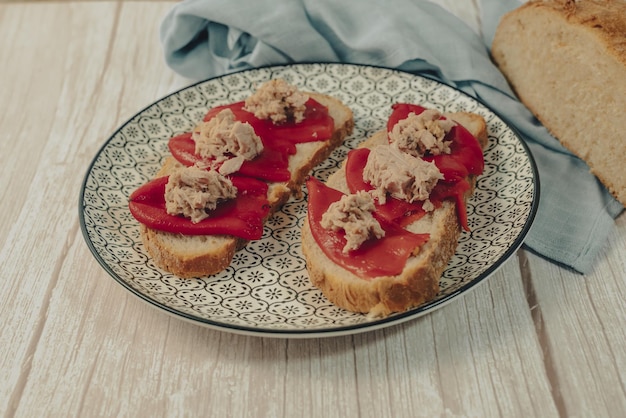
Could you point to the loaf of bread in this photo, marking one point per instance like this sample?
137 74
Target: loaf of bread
419 280
566 61
202 255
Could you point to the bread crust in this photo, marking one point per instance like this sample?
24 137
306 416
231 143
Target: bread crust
197 256
188 264
606 19
381 296
419 280
566 61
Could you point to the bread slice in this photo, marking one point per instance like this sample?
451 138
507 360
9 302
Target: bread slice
419 280
200 255
566 60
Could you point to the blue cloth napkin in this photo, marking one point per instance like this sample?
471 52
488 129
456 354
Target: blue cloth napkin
207 38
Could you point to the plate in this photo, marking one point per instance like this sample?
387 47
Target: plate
266 290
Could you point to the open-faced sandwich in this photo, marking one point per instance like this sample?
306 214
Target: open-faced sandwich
381 230
227 176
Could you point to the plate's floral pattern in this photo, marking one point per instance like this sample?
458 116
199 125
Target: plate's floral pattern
266 290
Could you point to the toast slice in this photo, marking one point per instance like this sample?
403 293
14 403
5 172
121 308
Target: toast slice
419 280
202 255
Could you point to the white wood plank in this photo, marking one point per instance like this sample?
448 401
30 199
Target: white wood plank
478 356
584 318
27 102
35 75
64 124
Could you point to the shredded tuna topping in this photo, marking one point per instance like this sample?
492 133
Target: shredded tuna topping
422 134
192 192
353 214
403 176
227 140
278 101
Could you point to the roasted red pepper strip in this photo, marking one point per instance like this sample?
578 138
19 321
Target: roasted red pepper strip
386 256
271 165
394 210
279 141
399 211
240 217
465 158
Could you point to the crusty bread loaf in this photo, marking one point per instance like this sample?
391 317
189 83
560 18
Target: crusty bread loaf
419 281
194 256
566 60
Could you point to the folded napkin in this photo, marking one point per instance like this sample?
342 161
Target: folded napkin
206 38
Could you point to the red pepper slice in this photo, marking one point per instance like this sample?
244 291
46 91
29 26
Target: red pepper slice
466 158
317 125
394 210
455 190
466 154
271 165
382 257
241 217
279 141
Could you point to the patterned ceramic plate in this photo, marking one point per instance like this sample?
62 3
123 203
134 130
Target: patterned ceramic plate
266 290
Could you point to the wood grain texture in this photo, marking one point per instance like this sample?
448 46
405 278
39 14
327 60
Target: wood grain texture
583 321
533 340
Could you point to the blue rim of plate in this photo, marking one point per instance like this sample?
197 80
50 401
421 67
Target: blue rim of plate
291 71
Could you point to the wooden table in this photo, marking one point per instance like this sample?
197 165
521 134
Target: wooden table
533 340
